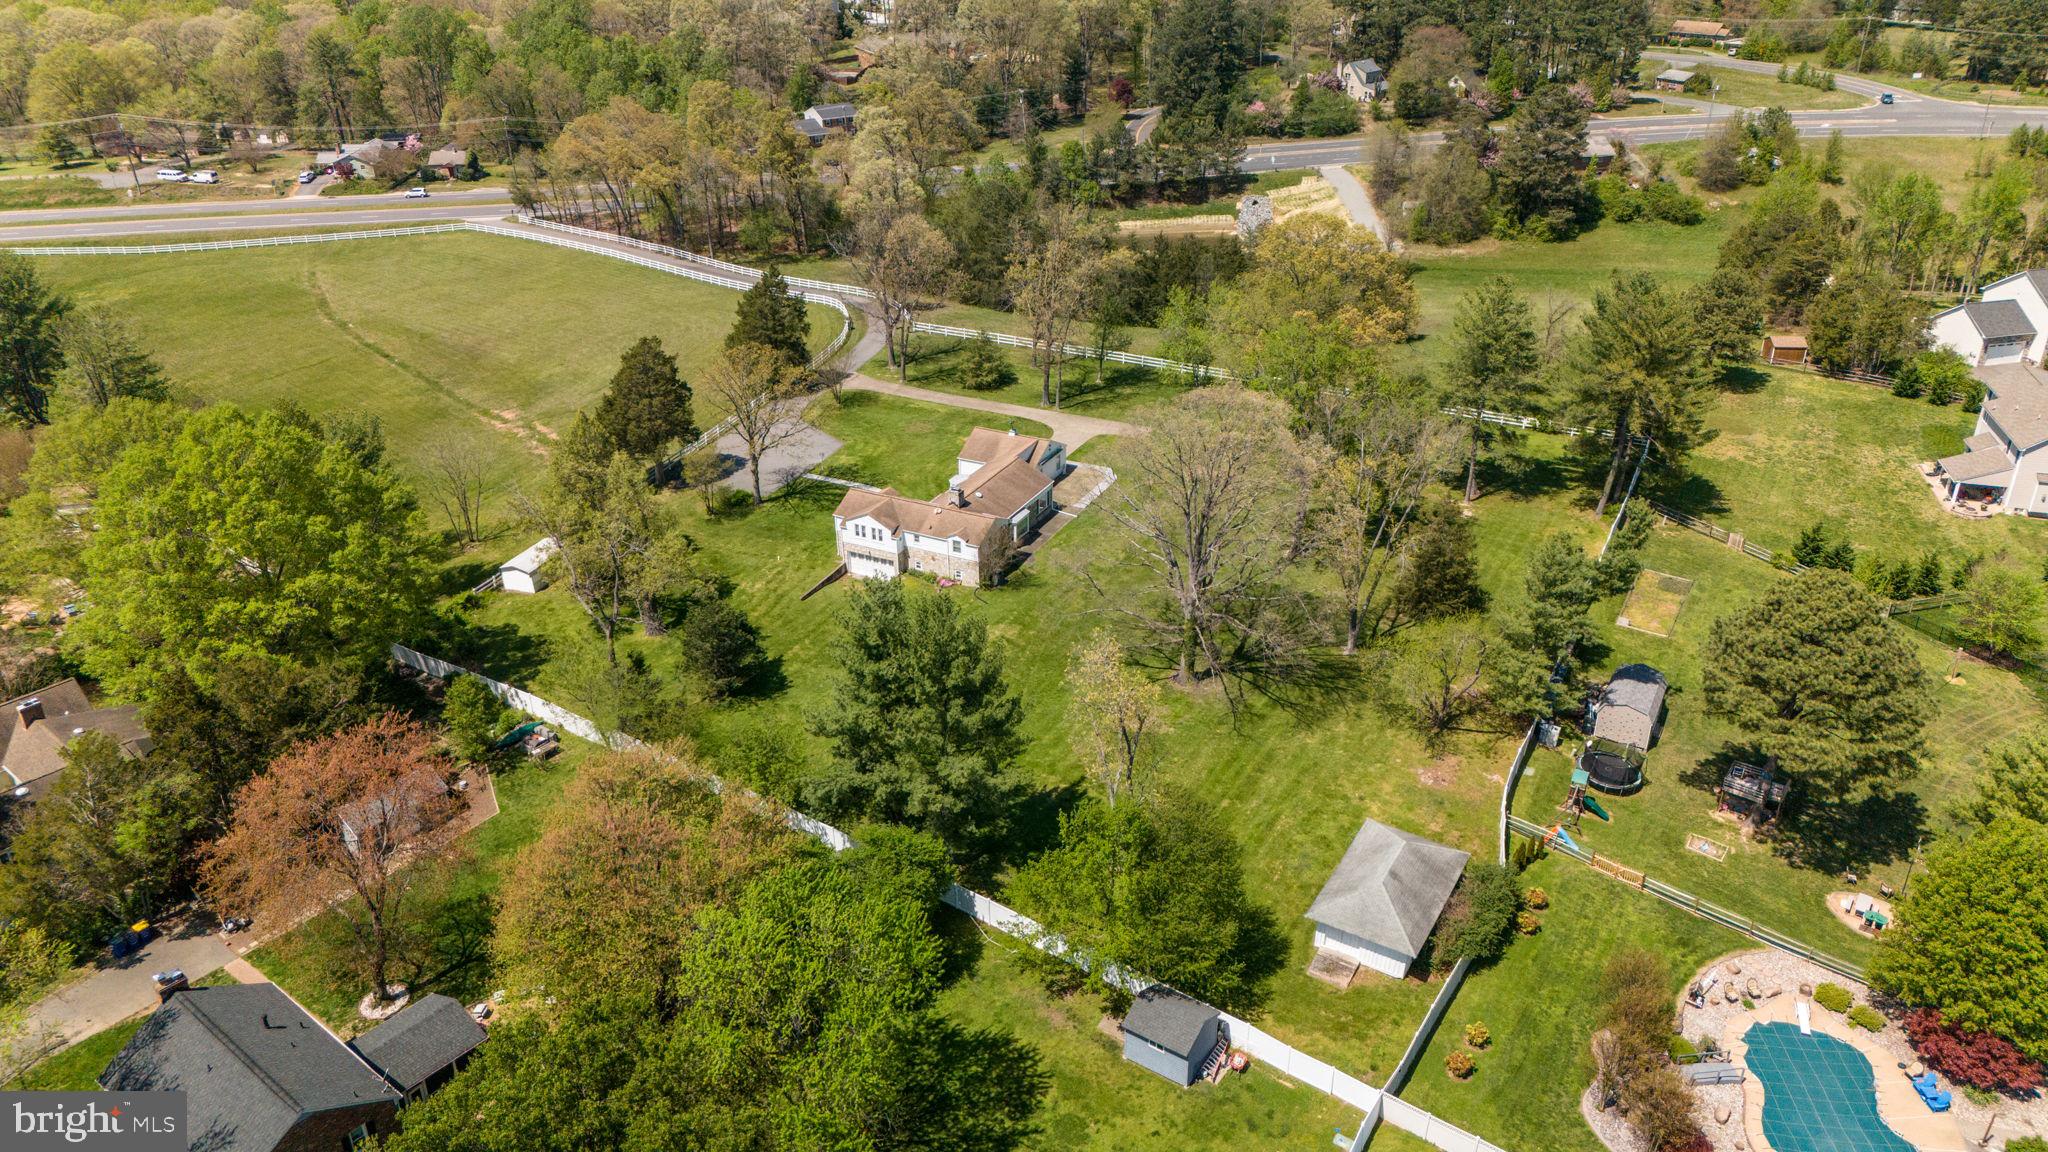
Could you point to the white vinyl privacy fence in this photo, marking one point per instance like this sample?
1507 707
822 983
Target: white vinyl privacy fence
1253 1040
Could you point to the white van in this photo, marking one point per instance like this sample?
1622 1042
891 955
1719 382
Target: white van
170 175
205 176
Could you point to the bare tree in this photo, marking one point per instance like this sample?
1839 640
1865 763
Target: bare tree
1053 281
908 264
1388 453
756 385
1204 506
461 483
331 827
1438 678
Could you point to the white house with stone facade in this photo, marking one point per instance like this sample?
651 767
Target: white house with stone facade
1000 492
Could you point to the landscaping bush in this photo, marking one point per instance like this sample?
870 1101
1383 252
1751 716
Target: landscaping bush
1832 997
984 369
1536 898
1481 918
1867 1018
1679 1047
2027 1144
475 718
1528 923
1527 851
1476 1035
1459 1064
1974 1059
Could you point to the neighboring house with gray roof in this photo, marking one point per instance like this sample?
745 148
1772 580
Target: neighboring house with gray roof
1172 1034
2029 290
1983 331
1364 80
1627 709
2004 463
421 1047
258 1073
1382 902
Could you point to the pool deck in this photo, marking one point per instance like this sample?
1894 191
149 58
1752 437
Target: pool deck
1898 1105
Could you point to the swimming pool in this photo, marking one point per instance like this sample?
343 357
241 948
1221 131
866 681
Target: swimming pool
1819 1093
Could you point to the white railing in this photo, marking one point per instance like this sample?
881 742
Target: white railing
1078 351
740 270
224 245
1253 1040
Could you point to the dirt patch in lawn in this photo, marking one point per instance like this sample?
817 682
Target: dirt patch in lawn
1654 603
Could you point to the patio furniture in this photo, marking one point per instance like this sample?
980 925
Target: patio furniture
1932 1094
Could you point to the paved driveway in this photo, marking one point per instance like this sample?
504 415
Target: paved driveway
118 989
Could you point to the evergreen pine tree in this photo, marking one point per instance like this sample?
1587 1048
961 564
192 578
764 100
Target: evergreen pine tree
647 407
984 369
773 318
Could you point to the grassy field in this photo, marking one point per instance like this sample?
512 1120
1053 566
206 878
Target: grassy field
902 444
1746 89
1947 160
458 337
1541 1002
937 362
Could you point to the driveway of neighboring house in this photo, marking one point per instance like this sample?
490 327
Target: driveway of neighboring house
1352 195
806 448
118 989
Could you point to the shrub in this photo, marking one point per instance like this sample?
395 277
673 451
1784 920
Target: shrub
1536 898
475 717
1975 1059
721 646
1528 923
1476 1035
1459 1064
1679 1047
1527 850
1481 918
1867 1018
984 369
1832 997
2027 1144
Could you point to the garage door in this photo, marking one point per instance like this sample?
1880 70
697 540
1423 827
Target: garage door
869 567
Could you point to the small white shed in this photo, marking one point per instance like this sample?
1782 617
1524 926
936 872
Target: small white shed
522 572
1380 905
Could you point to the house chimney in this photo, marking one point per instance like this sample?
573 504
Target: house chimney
30 710
954 497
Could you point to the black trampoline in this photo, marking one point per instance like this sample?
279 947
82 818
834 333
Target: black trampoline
1611 767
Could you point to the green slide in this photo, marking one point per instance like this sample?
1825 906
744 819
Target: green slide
1594 807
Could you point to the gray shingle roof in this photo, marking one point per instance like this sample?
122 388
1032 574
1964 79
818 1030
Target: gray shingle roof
1637 687
1390 888
425 1036
829 111
250 1062
2017 403
1978 465
1170 1019
1999 319
1675 75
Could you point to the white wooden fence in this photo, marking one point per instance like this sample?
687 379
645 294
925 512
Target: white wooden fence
1253 1040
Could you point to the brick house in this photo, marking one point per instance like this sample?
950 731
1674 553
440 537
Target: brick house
1000 493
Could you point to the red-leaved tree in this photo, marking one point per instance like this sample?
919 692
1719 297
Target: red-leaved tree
331 825
1977 1059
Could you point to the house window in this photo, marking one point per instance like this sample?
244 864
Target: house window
956 547
358 1137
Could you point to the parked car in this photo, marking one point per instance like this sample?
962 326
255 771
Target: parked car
170 175
308 176
1885 99
415 193
204 176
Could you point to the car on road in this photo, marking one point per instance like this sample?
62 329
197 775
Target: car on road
308 176
1885 99
415 193
170 175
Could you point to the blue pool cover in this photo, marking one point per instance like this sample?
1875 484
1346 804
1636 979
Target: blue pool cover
1819 1094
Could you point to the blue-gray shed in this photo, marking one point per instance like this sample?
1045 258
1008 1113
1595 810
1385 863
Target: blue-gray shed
1172 1034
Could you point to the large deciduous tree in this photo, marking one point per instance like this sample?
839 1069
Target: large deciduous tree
1971 938
1119 710
756 385
923 725
103 360
618 549
601 903
1155 888
1320 295
334 825
1204 505
1815 676
247 535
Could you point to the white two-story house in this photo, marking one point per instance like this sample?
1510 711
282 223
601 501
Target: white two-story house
1000 492
2008 324
2004 464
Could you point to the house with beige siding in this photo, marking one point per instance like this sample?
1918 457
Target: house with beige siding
1001 491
